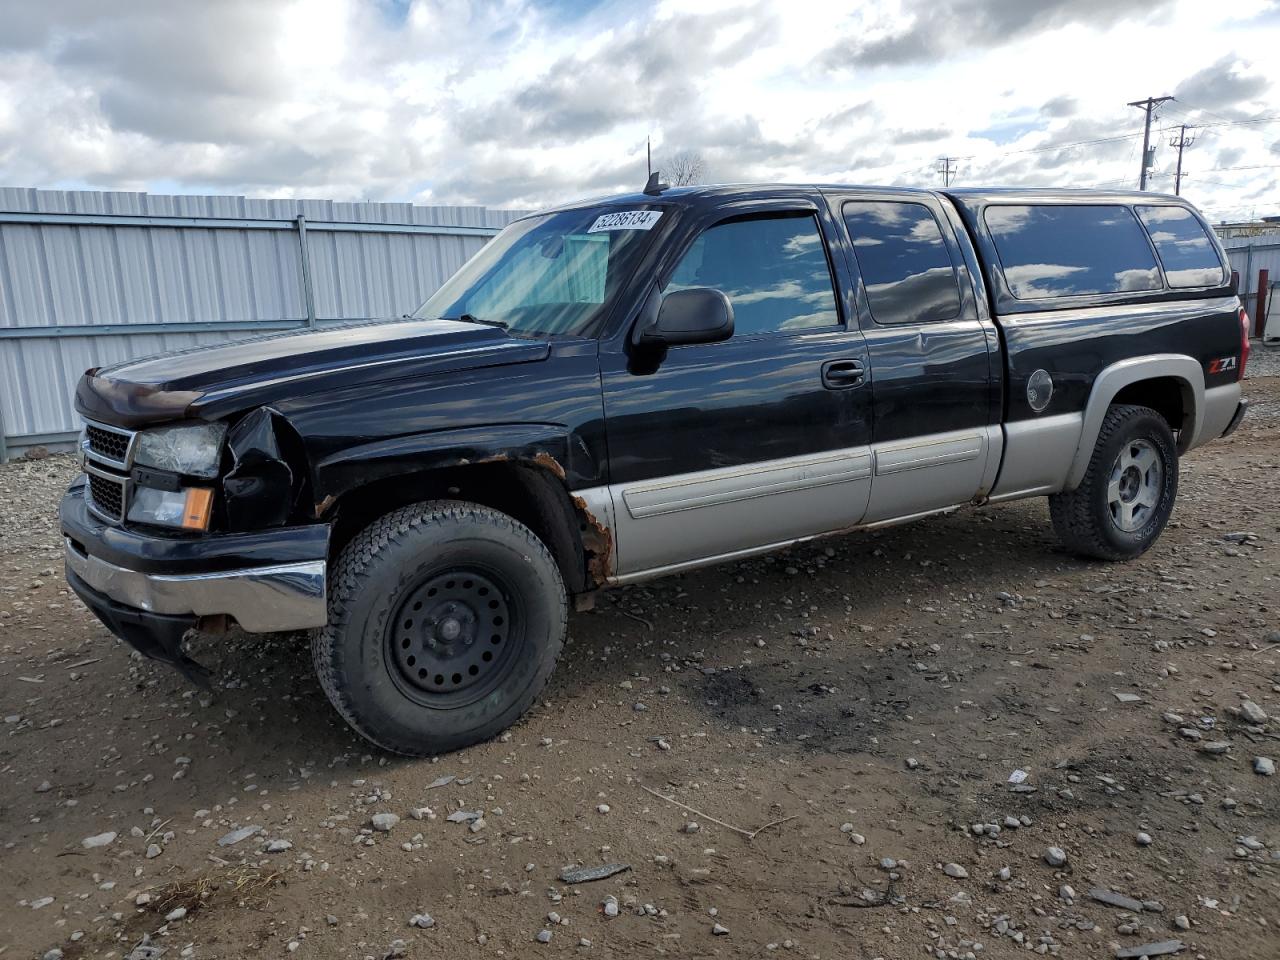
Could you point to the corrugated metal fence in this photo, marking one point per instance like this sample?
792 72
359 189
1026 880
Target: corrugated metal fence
1248 255
89 278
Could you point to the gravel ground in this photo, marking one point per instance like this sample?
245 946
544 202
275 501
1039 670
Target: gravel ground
1263 361
947 739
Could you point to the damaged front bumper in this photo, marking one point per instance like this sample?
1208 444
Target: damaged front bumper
149 589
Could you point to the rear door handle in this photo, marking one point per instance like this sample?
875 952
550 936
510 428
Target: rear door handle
842 374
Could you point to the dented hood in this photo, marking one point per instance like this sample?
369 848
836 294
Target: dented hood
218 380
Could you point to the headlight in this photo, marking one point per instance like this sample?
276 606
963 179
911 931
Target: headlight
188 509
191 448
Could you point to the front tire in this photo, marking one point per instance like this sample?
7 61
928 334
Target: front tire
445 622
1127 495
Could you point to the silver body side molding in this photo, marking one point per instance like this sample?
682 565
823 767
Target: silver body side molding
675 523
720 487
929 473
673 520
262 599
653 572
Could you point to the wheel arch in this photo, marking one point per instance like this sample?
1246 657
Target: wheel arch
522 472
1149 381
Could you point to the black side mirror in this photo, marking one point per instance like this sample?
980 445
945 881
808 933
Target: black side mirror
696 315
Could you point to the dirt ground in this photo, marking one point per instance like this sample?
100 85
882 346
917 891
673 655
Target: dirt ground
862 702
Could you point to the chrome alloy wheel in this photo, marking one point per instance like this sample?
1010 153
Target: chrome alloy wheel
1135 486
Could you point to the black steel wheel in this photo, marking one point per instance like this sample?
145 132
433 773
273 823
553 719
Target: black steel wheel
445 623
453 634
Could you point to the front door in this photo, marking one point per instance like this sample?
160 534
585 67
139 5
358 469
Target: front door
761 439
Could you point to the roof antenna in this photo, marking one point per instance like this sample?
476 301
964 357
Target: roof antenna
655 186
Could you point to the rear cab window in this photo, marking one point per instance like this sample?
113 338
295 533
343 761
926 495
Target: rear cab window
1189 257
1071 250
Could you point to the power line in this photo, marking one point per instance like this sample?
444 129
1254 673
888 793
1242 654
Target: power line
1000 154
996 154
1050 146
1239 123
1192 106
1258 166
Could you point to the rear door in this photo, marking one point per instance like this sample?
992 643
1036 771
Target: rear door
764 438
934 353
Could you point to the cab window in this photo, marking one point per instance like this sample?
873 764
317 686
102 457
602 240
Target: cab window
905 266
773 270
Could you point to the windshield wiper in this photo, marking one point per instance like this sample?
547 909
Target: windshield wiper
472 318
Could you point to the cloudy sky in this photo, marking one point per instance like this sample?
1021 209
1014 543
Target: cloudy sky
523 103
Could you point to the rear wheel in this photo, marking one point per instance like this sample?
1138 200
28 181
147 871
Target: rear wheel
445 622
1127 495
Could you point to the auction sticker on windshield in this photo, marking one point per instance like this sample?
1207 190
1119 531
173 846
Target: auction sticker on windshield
626 220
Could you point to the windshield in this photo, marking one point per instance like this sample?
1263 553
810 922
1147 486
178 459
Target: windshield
548 275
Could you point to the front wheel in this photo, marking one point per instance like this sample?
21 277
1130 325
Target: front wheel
445 623
1127 495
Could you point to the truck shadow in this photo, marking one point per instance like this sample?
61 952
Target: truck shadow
845 625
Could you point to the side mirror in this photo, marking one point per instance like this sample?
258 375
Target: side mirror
696 315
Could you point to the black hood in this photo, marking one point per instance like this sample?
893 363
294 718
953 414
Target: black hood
220 379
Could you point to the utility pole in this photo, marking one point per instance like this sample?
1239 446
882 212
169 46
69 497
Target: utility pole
1181 141
648 157
946 167
1148 105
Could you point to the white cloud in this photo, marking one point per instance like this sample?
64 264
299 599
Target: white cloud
523 103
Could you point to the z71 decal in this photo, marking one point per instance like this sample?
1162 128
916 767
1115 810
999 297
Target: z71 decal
1223 365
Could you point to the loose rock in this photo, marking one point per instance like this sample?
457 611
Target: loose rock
1253 713
235 836
1160 949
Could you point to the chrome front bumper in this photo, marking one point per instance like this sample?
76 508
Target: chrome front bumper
287 596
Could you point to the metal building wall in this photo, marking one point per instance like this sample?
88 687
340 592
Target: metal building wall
90 278
1248 255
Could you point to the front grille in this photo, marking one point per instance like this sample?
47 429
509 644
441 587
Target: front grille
107 443
107 496
108 455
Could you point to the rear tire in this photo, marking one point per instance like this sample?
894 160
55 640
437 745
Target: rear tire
1127 495
445 622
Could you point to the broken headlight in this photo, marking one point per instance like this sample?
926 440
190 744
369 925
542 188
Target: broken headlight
190 448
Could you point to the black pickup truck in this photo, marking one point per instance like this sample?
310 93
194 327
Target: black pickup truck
624 388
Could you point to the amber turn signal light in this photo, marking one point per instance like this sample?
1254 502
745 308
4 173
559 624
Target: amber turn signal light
199 506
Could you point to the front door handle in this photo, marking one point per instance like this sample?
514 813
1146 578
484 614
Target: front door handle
842 374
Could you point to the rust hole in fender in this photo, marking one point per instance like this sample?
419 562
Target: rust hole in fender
597 541
546 460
